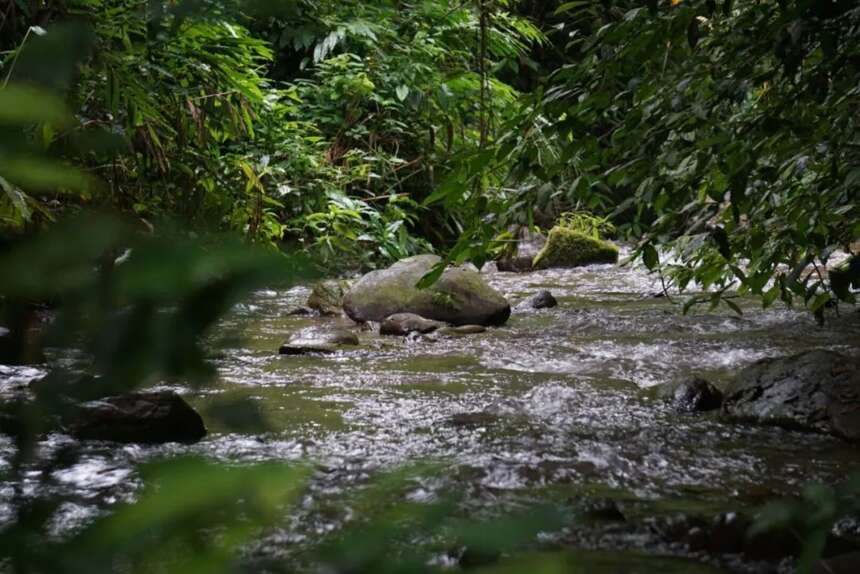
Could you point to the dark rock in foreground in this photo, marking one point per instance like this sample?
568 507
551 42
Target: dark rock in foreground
460 296
815 390
150 418
405 323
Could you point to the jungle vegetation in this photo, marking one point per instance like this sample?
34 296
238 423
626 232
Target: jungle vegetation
361 132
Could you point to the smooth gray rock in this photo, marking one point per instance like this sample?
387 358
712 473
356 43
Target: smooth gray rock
319 340
327 297
460 296
520 256
149 418
405 323
815 390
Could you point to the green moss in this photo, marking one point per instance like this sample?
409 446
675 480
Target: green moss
443 299
569 248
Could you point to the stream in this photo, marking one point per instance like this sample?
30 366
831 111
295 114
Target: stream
551 407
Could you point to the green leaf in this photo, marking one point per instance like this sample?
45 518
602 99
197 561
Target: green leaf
35 174
569 6
650 257
820 301
23 105
402 92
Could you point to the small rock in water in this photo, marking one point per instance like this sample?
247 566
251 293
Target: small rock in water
300 311
542 300
149 418
603 511
461 331
327 297
318 340
472 420
405 323
489 268
697 395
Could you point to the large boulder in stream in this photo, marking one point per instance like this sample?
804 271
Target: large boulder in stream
460 296
815 390
151 418
566 247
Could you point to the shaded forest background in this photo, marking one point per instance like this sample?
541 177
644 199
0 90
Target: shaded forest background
364 132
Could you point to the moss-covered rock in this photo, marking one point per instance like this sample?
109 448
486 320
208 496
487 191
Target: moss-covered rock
460 296
568 248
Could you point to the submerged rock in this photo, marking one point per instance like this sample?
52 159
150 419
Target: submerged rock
695 395
405 323
472 420
151 418
520 257
568 248
300 311
462 330
327 297
542 300
460 296
319 340
815 390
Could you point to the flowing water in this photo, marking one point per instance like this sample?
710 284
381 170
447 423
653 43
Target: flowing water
552 406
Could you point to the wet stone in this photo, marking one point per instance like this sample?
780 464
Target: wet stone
472 420
696 395
148 418
815 390
461 331
405 323
300 311
541 300
317 340
603 511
